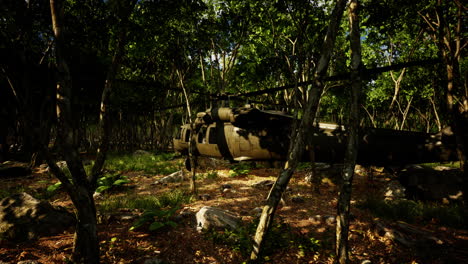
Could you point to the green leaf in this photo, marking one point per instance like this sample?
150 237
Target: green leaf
121 181
102 188
155 226
54 187
171 223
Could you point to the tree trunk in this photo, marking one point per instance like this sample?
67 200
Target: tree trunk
450 47
193 137
104 117
86 246
296 145
342 220
86 242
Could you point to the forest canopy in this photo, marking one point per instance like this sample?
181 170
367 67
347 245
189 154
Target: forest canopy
85 77
216 48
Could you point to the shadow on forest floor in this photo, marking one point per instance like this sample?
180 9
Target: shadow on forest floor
311 216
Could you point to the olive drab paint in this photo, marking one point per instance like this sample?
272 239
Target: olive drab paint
247 133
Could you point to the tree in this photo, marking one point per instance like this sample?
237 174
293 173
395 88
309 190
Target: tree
298 137
342 220
80 187
405 98
444 25
26 101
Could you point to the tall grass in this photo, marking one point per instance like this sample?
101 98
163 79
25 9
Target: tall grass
280 235
144 202
149 163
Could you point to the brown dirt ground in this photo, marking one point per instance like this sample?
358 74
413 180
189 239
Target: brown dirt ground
183 244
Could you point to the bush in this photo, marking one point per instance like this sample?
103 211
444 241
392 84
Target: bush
240 169
412 212
110 181
280 236
158 210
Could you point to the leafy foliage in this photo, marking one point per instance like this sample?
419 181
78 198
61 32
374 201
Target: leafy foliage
157 218
158 210
279 237
416 211
240 169
109 181
165 208
149 163
144 202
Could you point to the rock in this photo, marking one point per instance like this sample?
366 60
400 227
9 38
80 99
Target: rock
177 176
127 217
11 169
434 184
394 191
186 212
211 217
62 164
319 219
257 212
330 220
205 197
263 184
22 217
316 219
98 196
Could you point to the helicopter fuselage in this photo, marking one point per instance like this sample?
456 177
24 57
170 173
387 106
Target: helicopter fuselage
252 134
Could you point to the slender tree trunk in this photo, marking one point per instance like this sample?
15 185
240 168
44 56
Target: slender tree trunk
86 244
296 146
450 46
342 220
104 116
192 142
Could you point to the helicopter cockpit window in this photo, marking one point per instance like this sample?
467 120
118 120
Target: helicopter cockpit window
201 135
187 135
212 135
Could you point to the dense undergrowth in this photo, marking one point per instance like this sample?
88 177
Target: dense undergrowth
452 215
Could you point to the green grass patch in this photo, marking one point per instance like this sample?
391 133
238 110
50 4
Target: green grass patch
158 210
12 191
144 202
413 212
279 236
163 163
452 164
304 166
211 175
240 169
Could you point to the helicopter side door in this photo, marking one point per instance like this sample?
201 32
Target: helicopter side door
182 139
207 143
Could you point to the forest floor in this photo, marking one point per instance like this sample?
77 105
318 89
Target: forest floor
302 220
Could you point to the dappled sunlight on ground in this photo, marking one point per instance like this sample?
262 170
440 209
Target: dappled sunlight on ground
312 217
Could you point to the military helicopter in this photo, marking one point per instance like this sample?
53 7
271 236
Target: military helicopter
248 133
